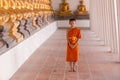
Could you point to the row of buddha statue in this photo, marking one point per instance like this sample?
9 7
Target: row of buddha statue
21 18
26 7
65 10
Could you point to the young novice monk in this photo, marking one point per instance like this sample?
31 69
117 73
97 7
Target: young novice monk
73 35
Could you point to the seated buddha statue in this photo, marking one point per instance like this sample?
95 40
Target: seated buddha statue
82 8
64 8
4 6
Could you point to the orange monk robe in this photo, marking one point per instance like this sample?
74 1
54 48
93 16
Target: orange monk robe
72 36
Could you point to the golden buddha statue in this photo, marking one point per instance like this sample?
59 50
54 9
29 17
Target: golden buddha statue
40 12
14 33
22 4
4 12
37 4
82 8
4 3
12 4
4 7
20 9
15 15
4 15
34 23
64 8
3 19
46 19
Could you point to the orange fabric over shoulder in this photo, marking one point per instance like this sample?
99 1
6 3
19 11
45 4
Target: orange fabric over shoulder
72 36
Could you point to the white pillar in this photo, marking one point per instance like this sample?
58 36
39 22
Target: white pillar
117 25
117 3
103 18
114 26
104 21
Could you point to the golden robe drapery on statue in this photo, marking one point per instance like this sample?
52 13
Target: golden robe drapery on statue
73 53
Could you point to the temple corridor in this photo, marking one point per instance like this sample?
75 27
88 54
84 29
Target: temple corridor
48 61
33 39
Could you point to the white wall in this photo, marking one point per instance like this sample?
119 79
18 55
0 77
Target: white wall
73 4
79 23
15 57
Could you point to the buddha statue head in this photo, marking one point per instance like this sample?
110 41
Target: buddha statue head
82 2
29 14
25 15
40 13
19 16
32 14
64 1
13 17
4 18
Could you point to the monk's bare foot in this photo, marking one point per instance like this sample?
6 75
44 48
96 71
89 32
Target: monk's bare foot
74 70
70 70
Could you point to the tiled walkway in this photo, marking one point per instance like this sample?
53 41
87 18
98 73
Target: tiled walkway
48 62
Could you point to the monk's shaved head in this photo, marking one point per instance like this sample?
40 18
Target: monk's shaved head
72 20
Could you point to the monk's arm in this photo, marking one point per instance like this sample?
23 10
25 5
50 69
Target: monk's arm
78 37
68 40
67 36
74 45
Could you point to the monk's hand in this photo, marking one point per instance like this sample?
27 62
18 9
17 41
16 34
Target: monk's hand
72 45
